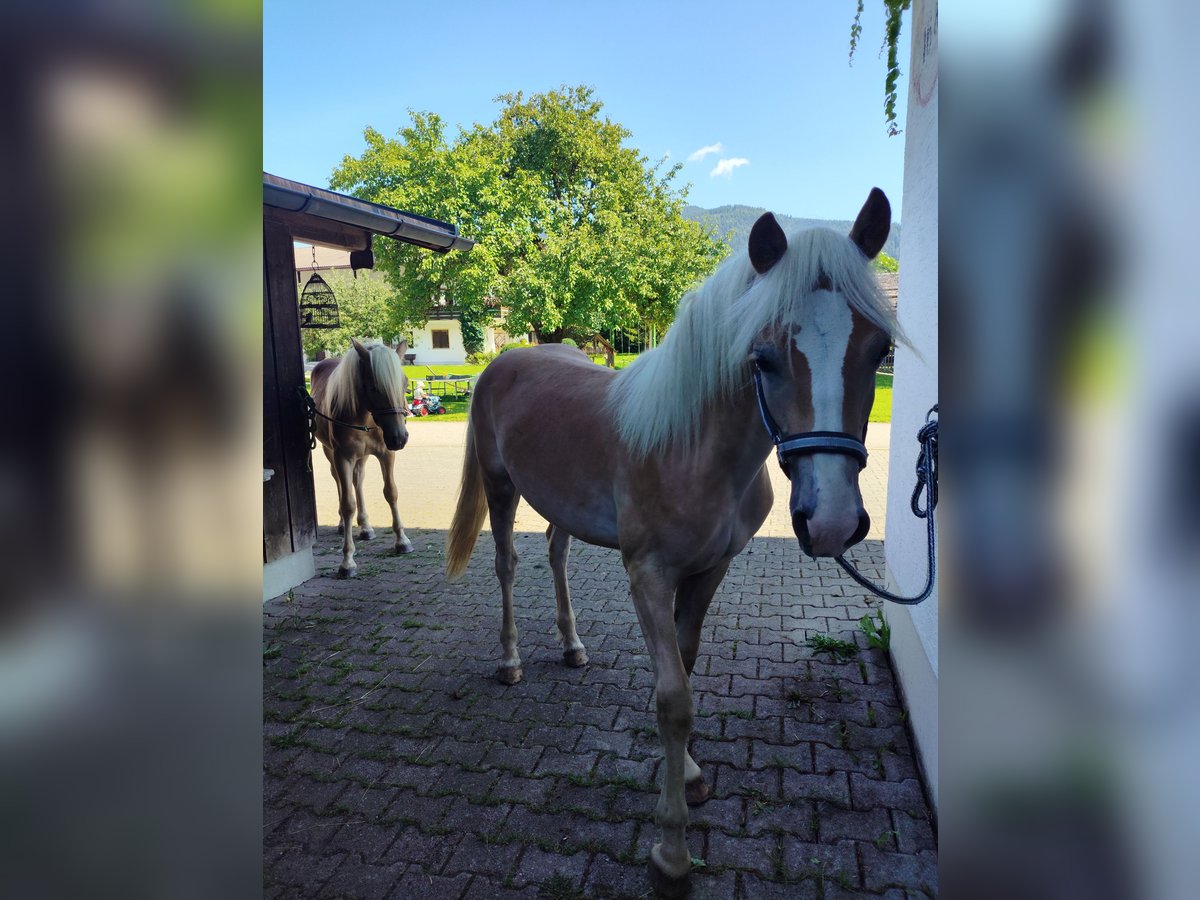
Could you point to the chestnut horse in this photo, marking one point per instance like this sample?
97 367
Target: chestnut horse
361 401
788 335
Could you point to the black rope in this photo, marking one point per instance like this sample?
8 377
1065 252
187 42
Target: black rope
313 412
927 478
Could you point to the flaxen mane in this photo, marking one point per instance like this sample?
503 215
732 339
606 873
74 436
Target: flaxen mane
342 389
658 399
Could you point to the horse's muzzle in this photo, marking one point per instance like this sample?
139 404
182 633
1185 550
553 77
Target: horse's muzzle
831 536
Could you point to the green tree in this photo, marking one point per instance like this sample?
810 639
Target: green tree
366 309
885 263
576 232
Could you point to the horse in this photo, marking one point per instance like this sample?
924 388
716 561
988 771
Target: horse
792 331
368 384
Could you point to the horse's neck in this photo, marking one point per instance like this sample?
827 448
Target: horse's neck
734 438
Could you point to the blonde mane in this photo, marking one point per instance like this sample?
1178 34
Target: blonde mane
659 398
343 389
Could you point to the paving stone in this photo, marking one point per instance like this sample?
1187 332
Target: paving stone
475 855
429 887
827 863
537 866
758 854
419 729
608 879
365 881
430 851
917 872
868 793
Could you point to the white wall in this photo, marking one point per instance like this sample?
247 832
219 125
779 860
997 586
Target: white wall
422 345
915 628
456 353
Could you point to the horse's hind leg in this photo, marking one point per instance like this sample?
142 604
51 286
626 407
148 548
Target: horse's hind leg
560 549
365 531
387 461
692 599
502 500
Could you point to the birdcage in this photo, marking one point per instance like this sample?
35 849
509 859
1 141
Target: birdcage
318 305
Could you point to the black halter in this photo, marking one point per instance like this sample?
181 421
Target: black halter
808 441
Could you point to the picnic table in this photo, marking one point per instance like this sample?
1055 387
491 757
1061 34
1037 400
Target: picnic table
455 386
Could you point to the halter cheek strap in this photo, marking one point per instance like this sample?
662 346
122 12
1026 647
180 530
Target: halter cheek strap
787 446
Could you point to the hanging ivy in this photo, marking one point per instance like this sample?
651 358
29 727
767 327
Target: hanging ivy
891 42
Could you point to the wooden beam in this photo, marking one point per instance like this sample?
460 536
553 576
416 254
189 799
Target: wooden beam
323 232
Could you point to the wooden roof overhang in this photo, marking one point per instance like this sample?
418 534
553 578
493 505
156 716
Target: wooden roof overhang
323 217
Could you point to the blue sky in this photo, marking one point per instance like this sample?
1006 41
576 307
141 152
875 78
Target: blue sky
767 81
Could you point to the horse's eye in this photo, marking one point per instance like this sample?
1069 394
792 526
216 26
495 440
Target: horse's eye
765 362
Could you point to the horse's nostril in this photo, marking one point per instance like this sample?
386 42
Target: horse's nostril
864 525
800 527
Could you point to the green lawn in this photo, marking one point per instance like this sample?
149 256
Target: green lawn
456 410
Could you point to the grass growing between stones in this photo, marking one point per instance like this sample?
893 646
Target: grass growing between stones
841 651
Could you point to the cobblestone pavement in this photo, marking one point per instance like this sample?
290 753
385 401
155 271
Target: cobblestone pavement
396 766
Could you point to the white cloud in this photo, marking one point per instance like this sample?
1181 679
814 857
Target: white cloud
726 166
704 151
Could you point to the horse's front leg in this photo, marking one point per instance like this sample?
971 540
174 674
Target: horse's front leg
387 462
692 599
670 862
344 472
365 532
560 549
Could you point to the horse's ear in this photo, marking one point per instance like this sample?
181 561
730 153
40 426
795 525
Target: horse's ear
363 353
401 348
768 243
870 230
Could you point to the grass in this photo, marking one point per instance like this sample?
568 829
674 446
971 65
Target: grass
841 651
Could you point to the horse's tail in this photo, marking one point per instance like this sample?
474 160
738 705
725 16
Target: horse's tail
468 514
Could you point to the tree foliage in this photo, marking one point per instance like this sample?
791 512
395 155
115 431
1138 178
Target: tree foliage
575 232
366 309
891 42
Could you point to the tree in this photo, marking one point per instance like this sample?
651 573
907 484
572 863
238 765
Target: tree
885 263
366 309
576 233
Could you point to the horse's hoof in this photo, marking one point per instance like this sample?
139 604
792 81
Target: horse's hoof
366 534
667 885
576 659
696 791
405 547
509 674
343 572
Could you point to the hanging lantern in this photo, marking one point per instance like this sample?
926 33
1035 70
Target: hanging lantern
318 305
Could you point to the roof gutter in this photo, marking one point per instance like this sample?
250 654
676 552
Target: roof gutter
410 228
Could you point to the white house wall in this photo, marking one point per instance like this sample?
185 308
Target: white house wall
914 644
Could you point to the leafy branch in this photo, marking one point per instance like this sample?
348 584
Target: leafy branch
891 43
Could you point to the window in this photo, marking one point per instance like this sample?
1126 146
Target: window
441 339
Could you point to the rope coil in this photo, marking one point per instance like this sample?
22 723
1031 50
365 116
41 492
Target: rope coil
927 478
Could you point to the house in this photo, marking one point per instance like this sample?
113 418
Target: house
439 342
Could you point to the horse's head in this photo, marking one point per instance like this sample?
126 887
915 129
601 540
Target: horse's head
383 388
816 367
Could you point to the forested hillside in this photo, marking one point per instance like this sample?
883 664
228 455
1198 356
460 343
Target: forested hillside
739 220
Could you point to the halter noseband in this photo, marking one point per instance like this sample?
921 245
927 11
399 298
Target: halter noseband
790 445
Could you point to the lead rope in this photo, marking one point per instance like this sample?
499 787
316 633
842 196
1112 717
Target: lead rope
313 412
927 477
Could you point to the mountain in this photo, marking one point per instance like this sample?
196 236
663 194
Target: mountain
739 219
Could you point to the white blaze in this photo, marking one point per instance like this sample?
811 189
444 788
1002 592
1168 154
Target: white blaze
823 336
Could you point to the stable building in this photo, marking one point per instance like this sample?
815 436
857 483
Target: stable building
300 213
